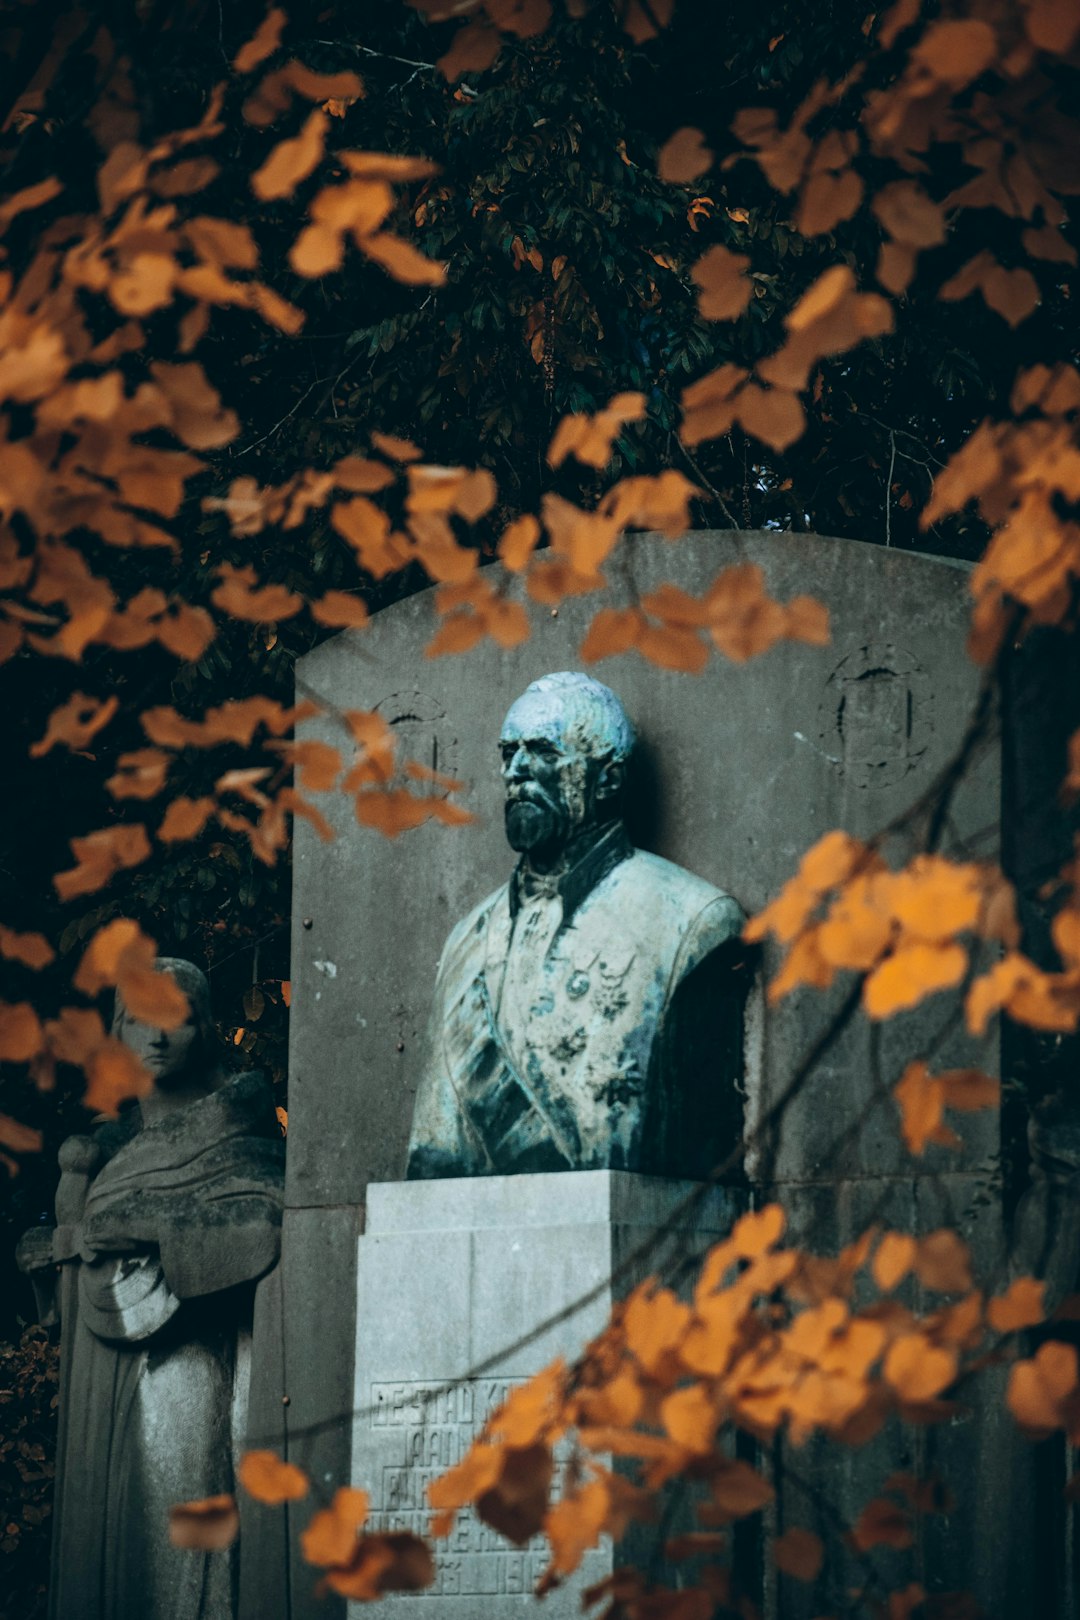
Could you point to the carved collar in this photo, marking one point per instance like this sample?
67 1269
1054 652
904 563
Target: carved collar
609 849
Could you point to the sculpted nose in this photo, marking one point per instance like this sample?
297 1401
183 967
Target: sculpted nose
515 767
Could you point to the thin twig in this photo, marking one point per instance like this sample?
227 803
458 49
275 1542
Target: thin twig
713 491
290 412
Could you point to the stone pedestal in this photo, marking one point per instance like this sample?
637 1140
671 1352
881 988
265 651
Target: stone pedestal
477 1284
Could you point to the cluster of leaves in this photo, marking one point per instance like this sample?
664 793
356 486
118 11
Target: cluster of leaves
28 1392
772 1341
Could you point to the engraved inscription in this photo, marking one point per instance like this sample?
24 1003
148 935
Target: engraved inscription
416 1432
423 737
876 717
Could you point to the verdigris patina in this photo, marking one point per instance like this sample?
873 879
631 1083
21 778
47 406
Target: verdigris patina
166 1216
587 1014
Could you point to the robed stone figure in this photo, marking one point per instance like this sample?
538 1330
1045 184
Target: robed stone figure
166 1217
587 1015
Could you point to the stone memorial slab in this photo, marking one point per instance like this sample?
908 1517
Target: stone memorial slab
454 1277
737 772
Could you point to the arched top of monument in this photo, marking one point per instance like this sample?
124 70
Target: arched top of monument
822 565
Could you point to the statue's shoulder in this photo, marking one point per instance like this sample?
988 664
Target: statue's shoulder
469 934
681 893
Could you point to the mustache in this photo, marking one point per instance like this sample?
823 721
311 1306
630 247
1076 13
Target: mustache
530 793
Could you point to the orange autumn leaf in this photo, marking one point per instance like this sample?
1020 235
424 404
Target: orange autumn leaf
75 722
934 898
367 529
773 415
113 1074
402 261
474 49
185 818
518 542
661 502
242 597
654 1321
713 1334
921 1100
121 955
1030 996
590 438
263 43
1042 1392
392 1561
970 1089
799 1553
943 1262
267 1478
617 1403
17 1137
910 974
917 1369
956 50
908 214
531 1409
207 1525
725 289
330 1537
292 161
575 1523
339 610
457 633
894 1258
476 1473
882 1524
683 157
827 199
32 950
690 1418
99 855
758 1231
671 647
825 865
1020 1307
516 1505
468 492
611 631
738 1490
140 774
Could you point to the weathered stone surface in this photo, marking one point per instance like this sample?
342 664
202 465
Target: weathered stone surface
738 772
318 1246
451 1275
166 1218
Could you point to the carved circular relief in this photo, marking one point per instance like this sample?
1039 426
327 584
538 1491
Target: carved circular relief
418 722
876 717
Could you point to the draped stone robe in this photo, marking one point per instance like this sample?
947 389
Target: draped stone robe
588 1022
162 1231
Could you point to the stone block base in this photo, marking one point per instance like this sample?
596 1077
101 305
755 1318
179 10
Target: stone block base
454 1280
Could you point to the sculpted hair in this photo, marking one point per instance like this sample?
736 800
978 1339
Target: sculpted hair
593 712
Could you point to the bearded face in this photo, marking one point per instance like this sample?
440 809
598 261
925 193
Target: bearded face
550 778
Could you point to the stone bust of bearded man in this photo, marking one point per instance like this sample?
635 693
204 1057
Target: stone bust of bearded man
587 1015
